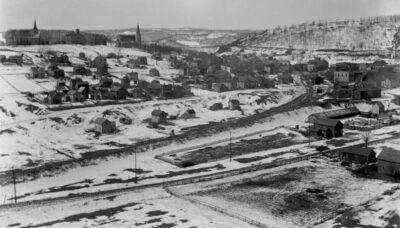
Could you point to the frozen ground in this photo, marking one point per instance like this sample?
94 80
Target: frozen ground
31 135
41 135
149 208
382 211
116 172
282 197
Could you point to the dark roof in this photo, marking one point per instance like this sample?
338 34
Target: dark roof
126 37
158 112
154 86
154 70
191 111
359 150
234 101
390 155
327 122
335 114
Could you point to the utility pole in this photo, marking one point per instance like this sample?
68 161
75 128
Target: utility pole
230 143
136 179
230 138
309 134
15 185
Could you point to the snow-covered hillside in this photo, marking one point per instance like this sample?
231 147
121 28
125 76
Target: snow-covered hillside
371 34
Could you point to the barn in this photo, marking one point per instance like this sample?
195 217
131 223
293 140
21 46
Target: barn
327 128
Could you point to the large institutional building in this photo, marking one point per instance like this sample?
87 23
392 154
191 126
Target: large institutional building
36 37
130 40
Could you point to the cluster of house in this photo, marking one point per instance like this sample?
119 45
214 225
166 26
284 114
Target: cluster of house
12 59
74 89
387 162
136 63
158 116
226 74
328 125
220 79
155 88
350 82
104 126
313 65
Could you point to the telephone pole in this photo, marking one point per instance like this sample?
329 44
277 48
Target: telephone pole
136 179
230 144
15 185
309 133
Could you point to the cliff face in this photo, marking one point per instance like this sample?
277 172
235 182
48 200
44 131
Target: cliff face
365 34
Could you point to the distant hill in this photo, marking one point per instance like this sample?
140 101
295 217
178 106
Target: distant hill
376 33
184 37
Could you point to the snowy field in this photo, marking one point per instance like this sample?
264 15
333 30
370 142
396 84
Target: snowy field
32 135
149 208
116 172
282 197
39 135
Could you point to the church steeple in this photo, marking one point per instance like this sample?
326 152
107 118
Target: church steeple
138 36
35 29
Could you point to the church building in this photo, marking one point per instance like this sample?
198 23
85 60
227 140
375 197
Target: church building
130 40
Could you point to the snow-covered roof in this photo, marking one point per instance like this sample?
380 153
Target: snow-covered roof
390 155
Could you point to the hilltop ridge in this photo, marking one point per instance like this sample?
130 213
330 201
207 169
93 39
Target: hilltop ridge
375 33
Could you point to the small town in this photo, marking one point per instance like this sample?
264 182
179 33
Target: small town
176 120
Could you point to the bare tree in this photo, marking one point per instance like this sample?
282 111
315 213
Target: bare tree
366 136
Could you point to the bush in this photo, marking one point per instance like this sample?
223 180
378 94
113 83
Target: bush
322 148
345 163
390 192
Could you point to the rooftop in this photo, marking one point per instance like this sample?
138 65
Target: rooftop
390 155
359 150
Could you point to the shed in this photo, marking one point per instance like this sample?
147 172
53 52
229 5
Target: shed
102 125
377 109
188 114
133 63
216 106
234 104
158 117
154 72
358 154
389 161
37 72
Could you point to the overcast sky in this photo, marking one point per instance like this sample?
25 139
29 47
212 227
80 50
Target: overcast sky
213 14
